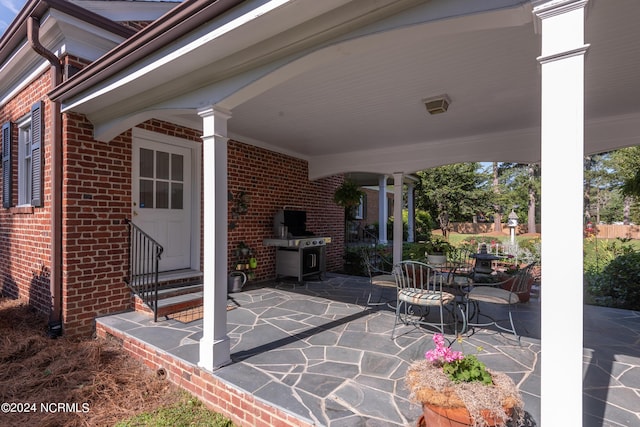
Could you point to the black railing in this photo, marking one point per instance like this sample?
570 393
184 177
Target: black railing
143 266
357 234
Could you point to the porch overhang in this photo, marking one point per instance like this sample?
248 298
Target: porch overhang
341 84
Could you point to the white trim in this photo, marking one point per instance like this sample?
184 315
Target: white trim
562 153
25 180
215 344
397 213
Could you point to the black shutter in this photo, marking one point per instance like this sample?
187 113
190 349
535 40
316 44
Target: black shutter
364 206
6 165
37 134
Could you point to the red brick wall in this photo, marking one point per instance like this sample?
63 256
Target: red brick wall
97 187
24 231
373 203
97 199
242 408
272 181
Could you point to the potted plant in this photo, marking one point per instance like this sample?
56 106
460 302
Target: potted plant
458 390
436 250
243 249
348 195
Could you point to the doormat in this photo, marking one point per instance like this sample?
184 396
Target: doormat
193 314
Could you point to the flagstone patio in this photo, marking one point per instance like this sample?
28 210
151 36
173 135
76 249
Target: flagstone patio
316 353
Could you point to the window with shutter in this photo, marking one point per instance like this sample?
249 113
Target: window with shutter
6 165
37 134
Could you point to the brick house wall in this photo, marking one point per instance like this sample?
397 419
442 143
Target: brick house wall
271 181
24 231
373 203
97 198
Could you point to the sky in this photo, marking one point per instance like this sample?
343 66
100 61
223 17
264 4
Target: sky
8 11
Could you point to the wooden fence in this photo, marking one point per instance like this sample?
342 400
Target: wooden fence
612 231
604 231
485 227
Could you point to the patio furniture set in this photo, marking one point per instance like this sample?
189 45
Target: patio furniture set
450 297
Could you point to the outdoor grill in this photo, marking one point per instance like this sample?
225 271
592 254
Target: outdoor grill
299 252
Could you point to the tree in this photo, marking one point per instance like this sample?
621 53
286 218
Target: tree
497 209
627 161
533 189
520 184
452 193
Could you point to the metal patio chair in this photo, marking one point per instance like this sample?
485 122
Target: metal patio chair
380 278
495 293
420 289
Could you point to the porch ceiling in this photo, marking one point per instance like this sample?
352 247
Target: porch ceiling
354 103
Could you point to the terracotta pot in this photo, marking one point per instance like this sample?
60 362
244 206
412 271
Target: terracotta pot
436 416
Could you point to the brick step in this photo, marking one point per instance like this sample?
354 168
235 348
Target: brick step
178 291
169 291
174 304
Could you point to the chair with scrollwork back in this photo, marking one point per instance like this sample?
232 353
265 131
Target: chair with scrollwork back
420 289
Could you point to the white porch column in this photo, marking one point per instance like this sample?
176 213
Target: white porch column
214 344
383 209
397 214
562 144
411 211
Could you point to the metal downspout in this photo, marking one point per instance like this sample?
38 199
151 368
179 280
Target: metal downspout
55 278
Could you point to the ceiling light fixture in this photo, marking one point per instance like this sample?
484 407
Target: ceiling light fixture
437 104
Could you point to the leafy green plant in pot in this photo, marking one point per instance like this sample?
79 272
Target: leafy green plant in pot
436 250
348 195
243 249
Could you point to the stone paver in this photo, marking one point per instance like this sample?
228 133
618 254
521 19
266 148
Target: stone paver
314 351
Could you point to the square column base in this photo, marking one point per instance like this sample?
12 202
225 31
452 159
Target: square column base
214 354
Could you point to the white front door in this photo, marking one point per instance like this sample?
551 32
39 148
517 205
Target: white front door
161 199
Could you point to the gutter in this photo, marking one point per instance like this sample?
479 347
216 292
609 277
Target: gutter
15 33
55 278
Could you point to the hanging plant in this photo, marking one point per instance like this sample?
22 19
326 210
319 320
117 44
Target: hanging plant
239 206
348 195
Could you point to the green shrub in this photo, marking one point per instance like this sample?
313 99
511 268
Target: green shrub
353 264
414 251
619 283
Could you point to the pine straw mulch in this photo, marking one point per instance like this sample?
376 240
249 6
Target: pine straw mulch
35 369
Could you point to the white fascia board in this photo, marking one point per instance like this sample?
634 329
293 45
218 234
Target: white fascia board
247 25
21 82
59 33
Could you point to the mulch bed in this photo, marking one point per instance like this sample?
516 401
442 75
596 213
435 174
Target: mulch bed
69 382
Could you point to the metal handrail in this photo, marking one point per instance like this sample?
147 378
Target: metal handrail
360 234
144 258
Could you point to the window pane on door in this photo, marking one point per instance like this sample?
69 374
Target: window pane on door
146 193
146 163
176 195
162 167
177 167
162 194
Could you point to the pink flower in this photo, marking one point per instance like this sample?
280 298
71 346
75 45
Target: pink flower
442 353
